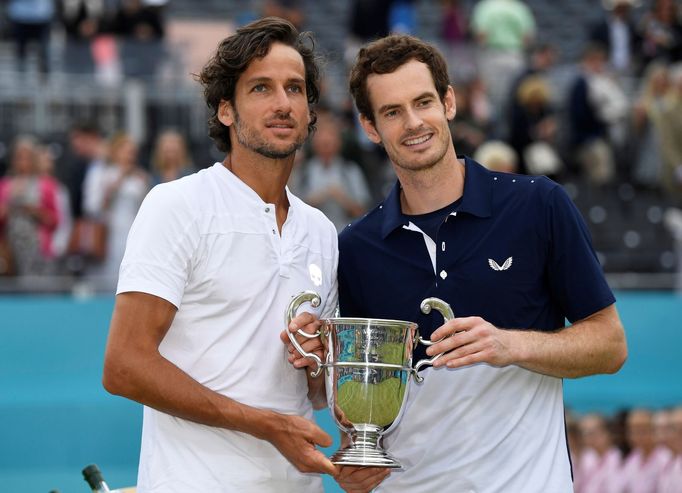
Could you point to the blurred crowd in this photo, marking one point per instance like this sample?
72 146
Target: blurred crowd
77 224
112 39
638 451
612 116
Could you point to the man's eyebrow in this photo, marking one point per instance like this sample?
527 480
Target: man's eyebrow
387 107
260 80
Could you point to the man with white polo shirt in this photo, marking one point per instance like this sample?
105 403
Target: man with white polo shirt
512 257
211 264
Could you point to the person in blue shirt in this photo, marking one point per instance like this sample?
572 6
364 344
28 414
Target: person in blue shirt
512 257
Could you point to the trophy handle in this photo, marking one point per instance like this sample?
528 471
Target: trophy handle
427 305
314 299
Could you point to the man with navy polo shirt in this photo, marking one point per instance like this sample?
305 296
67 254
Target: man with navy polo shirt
512 257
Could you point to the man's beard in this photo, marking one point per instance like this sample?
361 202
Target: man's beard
251 140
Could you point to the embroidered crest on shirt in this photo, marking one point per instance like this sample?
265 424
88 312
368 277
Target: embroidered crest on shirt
315 274
495 266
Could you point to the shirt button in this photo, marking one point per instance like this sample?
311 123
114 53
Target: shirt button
443 274
273 232
443 246
267 209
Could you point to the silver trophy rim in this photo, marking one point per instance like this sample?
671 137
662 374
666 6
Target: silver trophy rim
369 321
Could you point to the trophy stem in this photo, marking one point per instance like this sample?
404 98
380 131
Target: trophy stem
365 450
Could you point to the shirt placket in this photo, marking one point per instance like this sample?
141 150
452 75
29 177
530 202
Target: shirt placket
441 248
279 242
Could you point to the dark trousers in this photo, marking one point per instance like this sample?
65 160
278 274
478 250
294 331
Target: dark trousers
24 34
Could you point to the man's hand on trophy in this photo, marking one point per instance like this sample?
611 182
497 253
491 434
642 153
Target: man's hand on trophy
360 479
471 340
296 439
310 324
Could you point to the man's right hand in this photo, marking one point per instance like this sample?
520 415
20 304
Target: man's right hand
296 439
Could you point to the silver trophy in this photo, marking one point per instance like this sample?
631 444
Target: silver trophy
368 366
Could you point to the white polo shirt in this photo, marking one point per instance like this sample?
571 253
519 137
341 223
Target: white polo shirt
209 244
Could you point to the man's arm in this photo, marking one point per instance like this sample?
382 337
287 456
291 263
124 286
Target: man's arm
134 368
595 344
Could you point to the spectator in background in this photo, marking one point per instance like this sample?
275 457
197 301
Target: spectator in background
648 115
671 143
598 469
31 21
455 23
29 211
497 155
140 30
503 30
86 151
595 104
82 20
455 38
83 162
402 18
170 159
646 461
542 59
369 19
661 32
329 182
62 231
472 123
114 193
671 477
286 9
534 128
575 444
617 34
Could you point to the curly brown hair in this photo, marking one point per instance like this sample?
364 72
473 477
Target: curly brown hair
234 54
385 56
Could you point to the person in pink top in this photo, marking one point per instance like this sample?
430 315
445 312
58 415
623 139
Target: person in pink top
671 477
647 460
599 465
28 210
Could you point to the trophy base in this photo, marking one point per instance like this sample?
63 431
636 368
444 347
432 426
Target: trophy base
365 457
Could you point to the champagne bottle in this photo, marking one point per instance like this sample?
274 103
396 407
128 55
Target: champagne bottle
93 476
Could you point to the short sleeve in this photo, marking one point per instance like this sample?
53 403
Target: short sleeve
160 246
575 276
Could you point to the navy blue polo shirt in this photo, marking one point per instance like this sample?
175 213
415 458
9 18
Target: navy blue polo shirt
515 251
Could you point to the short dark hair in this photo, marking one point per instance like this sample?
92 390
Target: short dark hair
385 56
234 54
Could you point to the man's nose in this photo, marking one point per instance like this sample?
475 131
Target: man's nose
412 120
282 102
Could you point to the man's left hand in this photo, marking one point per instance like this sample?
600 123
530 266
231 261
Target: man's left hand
471 340
360 479
310 324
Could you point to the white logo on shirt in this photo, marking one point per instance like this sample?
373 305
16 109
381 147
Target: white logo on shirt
495 266
315 274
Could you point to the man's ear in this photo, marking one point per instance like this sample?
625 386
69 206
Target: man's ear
450 103
370 129
225 113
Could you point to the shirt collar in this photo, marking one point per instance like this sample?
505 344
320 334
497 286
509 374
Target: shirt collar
476 198
249 195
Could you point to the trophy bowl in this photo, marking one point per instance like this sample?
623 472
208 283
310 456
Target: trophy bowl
368 365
